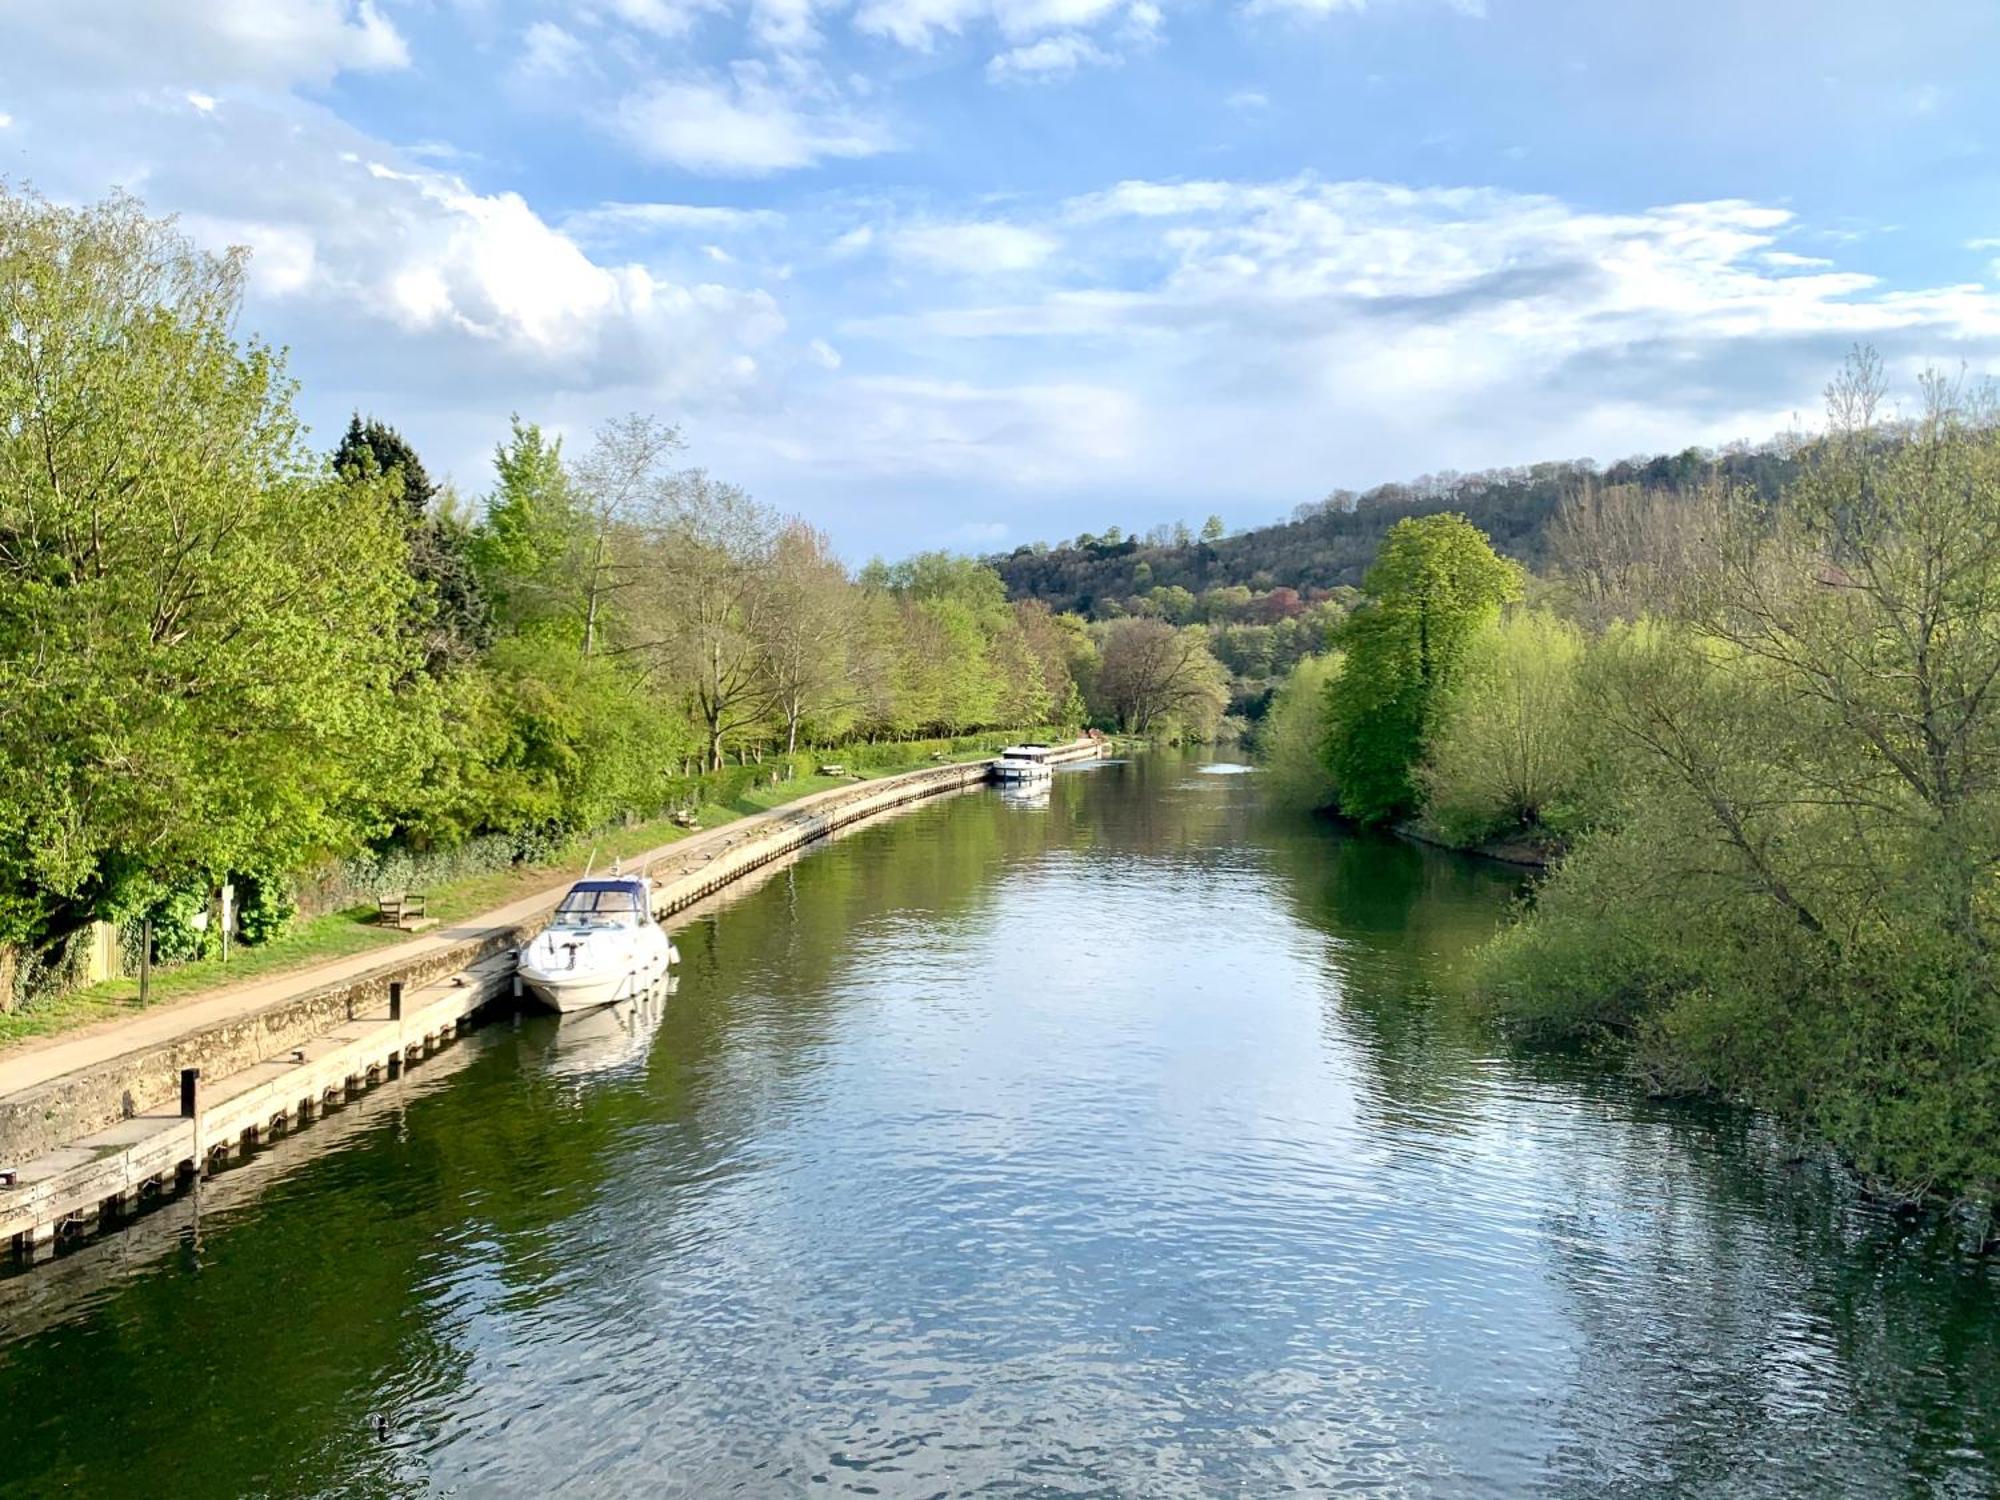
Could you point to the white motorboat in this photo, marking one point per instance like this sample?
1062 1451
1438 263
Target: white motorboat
1021 763
603 946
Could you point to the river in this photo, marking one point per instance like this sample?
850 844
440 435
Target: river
1126 1144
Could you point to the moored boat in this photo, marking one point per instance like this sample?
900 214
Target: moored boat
1019 763
604 945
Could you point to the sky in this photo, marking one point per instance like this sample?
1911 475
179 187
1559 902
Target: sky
974 273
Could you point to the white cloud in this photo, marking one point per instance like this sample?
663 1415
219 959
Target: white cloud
203 103
488 268
661 18
1350 331
976 247
392 278
619 220
1050 58
1248 100
784 25
750 125
549 52
6 121
823 354
1471 9
268 42
1142 22
919 23
284 258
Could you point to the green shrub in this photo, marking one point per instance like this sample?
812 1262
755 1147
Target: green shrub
265 904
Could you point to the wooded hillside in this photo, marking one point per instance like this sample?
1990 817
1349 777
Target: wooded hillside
1328 544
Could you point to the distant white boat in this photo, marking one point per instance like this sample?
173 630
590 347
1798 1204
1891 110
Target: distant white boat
603 946
1018 763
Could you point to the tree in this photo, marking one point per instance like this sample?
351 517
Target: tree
530 546
1794 902
1509 752
1064 658
192 671
623 481
702 563
1294 730
371 447
450 614
806 634
1622 552
1212 530
1435 585
1152 677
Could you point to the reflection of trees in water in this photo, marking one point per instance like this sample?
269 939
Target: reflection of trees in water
1742 1327
1749 1328
1396 916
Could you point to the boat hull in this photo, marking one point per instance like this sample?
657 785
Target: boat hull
589 987
1022 773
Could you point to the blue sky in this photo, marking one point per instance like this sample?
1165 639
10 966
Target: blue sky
975 272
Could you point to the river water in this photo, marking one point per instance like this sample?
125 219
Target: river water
1124 1144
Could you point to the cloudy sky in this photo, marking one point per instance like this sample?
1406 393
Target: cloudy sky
974 272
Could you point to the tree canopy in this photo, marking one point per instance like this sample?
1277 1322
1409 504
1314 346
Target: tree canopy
1435 585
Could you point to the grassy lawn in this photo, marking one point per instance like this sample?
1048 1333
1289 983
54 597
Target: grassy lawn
344 933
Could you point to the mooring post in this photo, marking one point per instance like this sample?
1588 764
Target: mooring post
395 999
145 960
191 1112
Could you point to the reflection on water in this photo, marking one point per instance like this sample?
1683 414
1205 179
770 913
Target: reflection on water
1118 1144
1026 794
611 1039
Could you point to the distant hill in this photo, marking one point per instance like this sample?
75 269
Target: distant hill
1329 544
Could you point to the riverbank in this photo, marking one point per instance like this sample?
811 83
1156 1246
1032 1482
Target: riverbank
89 1118
355 931
1524 853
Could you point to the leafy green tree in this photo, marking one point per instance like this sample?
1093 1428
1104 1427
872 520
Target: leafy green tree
1511 752
1212 530
1293 733
1435 585
450 614
528 546
191 665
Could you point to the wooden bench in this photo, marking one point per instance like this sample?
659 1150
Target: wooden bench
833 768
684 817
405 911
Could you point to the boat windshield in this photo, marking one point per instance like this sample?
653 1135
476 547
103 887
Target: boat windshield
615 905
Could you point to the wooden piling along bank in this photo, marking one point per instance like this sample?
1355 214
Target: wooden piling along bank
89 1149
